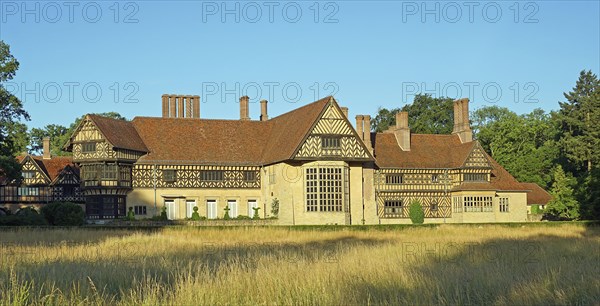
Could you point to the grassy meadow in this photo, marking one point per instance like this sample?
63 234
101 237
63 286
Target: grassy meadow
447 264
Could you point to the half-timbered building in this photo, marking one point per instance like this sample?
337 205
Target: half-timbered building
45 179
312 161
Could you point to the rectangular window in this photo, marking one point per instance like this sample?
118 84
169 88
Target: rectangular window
434 178
211 209
249 176
478 204
330 142
434 206
503 204
169 175
394 179
457 204
189 208
251 205
88 147
324 189
109 172
28 174
211 175
139 210
233 212
392 208
171 209
475 177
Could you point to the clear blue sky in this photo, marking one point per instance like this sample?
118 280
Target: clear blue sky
370 53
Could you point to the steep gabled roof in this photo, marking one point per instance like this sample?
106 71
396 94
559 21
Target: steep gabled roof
426 151
119 133
501 180
537 194
290 129
51 167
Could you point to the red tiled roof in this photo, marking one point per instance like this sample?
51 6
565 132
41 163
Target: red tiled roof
52 167
501 180
537 194
426 151
120 133
239 142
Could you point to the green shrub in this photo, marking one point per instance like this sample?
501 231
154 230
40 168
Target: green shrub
130 215
415 212
242 217
26 216
195 214
63 214
275 207
226 216
163 213
255 216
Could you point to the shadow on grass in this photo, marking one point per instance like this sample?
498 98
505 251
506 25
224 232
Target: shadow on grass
544 270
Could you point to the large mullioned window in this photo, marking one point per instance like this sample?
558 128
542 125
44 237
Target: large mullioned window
478 204
324 189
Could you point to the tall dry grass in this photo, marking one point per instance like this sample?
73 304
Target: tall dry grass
449 264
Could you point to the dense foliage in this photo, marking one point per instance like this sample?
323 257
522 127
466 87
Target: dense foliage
63 214
415 212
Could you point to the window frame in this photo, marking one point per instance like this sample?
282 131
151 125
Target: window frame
331 142
169 178
85 147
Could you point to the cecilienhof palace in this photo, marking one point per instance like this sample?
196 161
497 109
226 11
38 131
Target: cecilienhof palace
311 160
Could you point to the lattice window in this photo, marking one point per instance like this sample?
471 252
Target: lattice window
503 204
249 176
478 204
211 175
88 147
324 189
435 178
392 208
394 179
169 175
109 172
330 142
475 177
28 174
140 210
457 204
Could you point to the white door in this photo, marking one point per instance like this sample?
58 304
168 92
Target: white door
211 209
189 208
171 209
251 204
233 212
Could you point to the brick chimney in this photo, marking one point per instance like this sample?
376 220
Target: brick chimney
402 131
345 111
244 114
263 110
367 132
179 106
462 126
360 127
46 143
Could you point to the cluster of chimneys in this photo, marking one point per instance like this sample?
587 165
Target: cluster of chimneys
178 106
401 130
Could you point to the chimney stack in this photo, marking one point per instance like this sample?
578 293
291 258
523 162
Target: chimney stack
345 111
367 132
359 126
462 126
46 142
179 106
263 110
196 107
244 115
402 131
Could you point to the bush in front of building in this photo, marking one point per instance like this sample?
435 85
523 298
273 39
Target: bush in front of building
63 214
275 208
255 216
26 216
195 214
130 215
226 215
415 212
